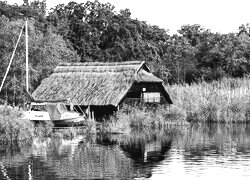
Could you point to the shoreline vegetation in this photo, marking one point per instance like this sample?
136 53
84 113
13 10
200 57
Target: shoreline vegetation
223 101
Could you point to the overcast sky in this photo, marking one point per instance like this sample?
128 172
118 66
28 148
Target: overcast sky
222 16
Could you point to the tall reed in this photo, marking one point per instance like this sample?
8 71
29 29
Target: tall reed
143 117
227 100
12 128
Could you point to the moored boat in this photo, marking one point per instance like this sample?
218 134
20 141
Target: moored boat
56 112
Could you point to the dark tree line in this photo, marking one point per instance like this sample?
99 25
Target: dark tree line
93 31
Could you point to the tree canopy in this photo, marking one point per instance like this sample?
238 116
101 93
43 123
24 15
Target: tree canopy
94 31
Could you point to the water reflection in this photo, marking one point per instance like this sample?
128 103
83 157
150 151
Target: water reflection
82 158
17 162
144 149
199 151
208 151
213 139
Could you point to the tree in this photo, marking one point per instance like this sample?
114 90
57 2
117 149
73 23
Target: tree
100 34
179 58
45 52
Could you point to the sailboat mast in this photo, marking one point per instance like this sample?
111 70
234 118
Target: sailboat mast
27 60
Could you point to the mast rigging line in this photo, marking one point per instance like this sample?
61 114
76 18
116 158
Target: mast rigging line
11 59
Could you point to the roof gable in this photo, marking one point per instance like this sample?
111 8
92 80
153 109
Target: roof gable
144 76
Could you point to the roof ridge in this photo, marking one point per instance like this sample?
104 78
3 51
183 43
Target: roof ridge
88 67
102 63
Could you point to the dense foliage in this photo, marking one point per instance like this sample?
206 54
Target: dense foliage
94 31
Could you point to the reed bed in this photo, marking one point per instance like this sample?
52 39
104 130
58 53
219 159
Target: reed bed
131 118
115 124
227 100
12 128
223 101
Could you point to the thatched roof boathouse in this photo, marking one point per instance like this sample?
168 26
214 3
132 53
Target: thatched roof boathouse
103 86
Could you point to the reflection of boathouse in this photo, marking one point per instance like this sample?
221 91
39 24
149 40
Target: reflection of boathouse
143 150
103 86
144 153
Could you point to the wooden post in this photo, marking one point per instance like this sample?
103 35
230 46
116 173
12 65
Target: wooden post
93 115
88 112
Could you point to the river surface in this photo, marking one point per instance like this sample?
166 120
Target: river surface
195 152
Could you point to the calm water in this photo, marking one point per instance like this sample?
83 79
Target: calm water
197 152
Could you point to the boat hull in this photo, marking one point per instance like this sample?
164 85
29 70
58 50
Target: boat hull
69 122
78 121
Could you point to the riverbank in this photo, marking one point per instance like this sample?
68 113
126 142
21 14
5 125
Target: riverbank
224 101
12 128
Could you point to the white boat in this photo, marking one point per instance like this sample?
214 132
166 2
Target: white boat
56 112
42 110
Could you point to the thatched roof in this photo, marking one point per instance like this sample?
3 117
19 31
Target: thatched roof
94 83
